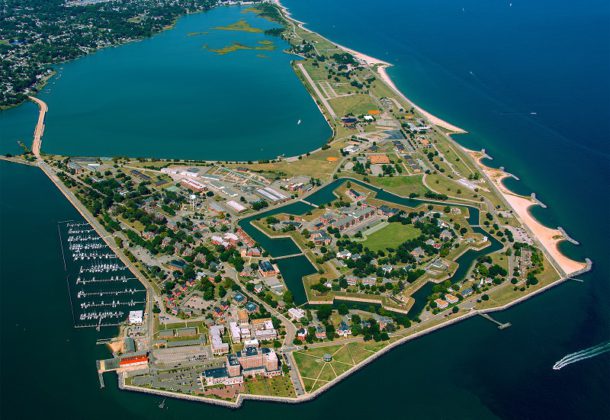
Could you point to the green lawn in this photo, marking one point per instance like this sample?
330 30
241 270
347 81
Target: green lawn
391 236
280 386
309 366
403 185
356 104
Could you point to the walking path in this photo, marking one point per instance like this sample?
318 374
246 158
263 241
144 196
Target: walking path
283 257
39 130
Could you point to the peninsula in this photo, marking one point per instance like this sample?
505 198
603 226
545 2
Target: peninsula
276 279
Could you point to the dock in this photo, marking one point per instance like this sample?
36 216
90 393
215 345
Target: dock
500 325
100 374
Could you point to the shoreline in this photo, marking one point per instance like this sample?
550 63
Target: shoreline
380 66
315 394
548 237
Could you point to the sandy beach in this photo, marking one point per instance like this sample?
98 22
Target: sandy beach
549 238
116 346
381 70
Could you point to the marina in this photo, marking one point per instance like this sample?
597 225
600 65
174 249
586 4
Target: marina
102 290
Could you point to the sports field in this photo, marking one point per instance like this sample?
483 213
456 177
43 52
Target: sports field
391 236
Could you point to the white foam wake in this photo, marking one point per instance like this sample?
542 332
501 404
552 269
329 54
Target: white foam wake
582 355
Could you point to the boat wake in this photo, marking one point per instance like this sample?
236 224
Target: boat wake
582 355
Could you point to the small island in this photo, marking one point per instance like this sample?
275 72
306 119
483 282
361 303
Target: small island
276 279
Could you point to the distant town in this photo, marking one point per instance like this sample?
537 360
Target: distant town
276 279
36 35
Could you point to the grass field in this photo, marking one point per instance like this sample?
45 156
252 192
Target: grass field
403 185
316 165
356 104
504 293
279 386
391 236
316 372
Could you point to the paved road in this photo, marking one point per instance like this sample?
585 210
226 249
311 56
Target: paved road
291 331
317 91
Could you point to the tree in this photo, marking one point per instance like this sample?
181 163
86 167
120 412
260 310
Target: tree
189 272
343 309
324 313
287 297
531 279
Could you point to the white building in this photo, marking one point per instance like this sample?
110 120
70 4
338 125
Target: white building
235 332
218 347
136 317
296 313
235 206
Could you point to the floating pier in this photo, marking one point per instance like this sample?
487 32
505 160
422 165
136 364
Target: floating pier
83 294
500 325
118 279
100 374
